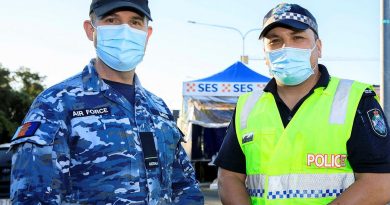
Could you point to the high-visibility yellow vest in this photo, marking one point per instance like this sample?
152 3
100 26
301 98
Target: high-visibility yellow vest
306 162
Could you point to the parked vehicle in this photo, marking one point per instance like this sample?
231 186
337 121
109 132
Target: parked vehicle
5 170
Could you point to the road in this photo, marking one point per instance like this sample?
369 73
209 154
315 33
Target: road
211 196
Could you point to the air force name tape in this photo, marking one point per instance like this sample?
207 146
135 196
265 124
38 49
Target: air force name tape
92 111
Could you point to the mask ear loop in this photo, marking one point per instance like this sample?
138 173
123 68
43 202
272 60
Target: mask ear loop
93 26
315 46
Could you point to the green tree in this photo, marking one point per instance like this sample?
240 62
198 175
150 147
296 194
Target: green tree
31 82
17 92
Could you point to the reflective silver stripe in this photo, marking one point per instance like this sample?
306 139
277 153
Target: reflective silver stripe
308 185
249 104
255 185
338 112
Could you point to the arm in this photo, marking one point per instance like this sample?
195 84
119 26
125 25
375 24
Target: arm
231 188
369 188
37 169
232 169
185 187
369 156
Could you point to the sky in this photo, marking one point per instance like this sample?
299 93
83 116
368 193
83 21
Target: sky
47 36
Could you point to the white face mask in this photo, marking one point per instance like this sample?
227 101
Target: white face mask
290 66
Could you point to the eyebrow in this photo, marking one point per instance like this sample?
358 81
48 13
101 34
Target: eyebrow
294 32
116 15
271 36
138 18
297 32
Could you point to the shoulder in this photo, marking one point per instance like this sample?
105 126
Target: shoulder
157 102
368 93
70 86
371 114
50 105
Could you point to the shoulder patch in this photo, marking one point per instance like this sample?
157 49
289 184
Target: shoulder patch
161 114
27 129
378 125
369 92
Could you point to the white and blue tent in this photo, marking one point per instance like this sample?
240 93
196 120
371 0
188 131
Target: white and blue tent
209 103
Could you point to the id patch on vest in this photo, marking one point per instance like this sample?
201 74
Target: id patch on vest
91 111
248 137
377 121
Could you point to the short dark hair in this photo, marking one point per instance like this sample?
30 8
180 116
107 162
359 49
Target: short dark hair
93 16
316 37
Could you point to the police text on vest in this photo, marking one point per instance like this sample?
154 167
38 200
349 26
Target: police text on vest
326 160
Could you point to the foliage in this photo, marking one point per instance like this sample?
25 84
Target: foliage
17 91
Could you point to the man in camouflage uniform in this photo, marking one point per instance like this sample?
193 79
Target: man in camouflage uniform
100 137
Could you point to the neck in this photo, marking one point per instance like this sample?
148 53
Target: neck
291 95
108 73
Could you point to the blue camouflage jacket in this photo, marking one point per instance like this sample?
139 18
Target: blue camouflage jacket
80 143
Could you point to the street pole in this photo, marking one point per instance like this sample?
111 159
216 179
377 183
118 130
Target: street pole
385 56
244 58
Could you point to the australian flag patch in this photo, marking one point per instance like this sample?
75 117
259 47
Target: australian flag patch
28 129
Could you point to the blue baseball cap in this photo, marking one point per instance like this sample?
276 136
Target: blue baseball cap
102 7
290 16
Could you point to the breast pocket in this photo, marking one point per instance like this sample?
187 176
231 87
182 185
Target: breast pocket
258 144
105 149
168 137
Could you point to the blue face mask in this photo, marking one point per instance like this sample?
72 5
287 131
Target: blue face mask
120 46
290 66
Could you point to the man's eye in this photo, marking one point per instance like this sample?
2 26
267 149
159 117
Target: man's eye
298 37
110 20
136 22
274 41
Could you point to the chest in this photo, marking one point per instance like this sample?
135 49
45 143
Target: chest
108 134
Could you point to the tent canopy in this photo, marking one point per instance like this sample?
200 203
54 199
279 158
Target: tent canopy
235 80
210 102
238 72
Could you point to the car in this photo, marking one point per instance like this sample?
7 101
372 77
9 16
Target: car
5 170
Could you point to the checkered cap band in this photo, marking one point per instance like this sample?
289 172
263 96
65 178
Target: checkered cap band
294 16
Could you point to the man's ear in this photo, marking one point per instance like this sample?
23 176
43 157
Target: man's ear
89 29
267 63
319 48
150 31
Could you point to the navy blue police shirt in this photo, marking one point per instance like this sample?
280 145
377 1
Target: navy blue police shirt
368 147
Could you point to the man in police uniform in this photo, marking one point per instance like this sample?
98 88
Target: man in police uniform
308 137
100 137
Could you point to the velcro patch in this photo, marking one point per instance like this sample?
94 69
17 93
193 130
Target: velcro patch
28 129
91 111
377 121
248 137
368 93
161 114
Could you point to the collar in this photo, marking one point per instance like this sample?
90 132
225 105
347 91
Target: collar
322 82
93 83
